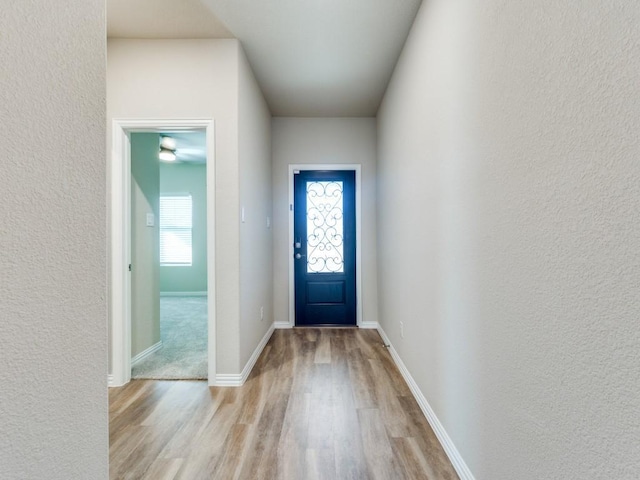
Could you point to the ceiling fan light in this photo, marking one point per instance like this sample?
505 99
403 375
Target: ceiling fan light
168 143
167 155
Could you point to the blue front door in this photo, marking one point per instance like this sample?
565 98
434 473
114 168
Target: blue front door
325 247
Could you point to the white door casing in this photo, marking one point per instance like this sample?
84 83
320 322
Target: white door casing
358 169
120 251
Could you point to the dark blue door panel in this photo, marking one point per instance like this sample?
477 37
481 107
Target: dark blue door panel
325 247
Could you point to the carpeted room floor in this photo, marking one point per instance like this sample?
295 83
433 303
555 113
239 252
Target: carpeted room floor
183 331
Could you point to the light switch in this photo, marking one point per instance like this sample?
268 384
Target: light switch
242 214
151 220
268 222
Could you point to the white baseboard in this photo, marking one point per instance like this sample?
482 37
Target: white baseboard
228 380
447 444
238 379
285 325
144 354
183 294
373 325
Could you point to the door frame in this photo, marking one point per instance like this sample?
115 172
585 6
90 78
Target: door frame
336 167
120 251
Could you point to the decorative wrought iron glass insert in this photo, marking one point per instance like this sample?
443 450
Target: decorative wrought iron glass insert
325 241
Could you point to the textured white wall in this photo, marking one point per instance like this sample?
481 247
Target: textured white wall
53 341
173 79
509 238
320 141
254 154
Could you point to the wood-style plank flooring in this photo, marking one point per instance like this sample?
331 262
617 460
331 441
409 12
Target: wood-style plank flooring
319 404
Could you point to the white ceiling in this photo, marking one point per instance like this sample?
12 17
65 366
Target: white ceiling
163 19
312 58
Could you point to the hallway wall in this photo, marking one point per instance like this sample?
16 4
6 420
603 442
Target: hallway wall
53 346
331 141
508 230
201 83
254 158
213 79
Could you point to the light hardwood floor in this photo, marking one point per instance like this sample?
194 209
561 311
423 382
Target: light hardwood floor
319 404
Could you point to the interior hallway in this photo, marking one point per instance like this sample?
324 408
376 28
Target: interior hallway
507 195
320 403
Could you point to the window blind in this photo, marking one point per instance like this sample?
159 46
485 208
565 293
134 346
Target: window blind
175 230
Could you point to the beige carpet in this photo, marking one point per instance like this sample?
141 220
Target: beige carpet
183 330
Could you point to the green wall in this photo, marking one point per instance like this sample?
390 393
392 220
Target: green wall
145 242
184 178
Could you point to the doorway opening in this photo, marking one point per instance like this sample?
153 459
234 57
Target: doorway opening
324 250
178 213
169 255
